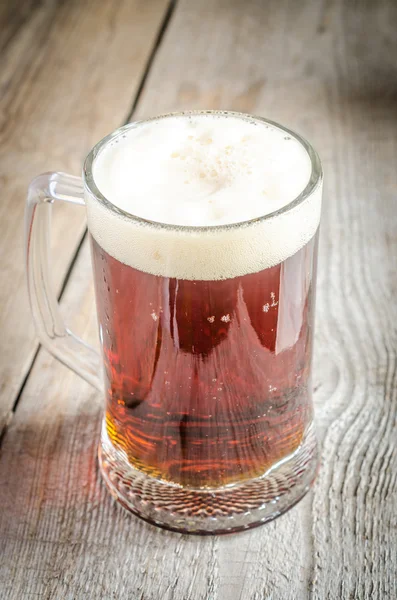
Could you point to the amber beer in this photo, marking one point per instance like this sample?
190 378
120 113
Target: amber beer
206 381
203 228
204 231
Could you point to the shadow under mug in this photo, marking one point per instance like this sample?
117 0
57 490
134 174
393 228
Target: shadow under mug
208 424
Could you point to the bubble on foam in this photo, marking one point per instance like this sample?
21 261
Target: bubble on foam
203 170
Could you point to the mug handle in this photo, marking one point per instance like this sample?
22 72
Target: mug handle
73 352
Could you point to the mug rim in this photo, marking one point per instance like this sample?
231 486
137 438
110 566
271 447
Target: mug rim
313 184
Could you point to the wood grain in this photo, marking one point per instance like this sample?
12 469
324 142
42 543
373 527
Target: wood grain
68 75
310 66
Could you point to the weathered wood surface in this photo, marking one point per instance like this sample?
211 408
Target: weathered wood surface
68 75
328 70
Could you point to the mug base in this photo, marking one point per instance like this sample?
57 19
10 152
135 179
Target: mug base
227 509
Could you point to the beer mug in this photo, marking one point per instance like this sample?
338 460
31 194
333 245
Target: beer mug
203 230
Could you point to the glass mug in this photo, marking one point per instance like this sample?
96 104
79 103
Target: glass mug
208 425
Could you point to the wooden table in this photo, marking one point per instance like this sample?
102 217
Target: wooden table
73 71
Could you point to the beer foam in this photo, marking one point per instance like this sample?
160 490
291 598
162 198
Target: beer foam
199 184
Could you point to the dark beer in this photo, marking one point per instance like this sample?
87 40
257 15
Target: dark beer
207 382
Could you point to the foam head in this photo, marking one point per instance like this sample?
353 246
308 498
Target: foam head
202 170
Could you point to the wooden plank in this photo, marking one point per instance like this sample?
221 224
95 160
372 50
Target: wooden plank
308 66
68 75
